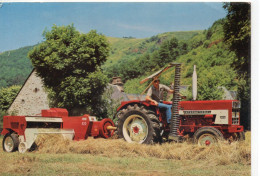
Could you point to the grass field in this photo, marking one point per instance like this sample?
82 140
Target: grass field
116 157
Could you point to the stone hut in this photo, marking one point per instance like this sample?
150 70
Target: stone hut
31 98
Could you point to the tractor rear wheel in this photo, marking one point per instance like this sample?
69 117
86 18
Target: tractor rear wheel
138 125
207 136
10 142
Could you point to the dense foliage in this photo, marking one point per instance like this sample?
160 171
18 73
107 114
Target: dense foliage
237 30
7 95
15 67
133 68
69 64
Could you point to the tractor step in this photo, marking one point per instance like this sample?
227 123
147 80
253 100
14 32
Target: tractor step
175 138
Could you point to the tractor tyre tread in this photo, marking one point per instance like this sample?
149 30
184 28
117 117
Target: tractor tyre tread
210 130
151 120
241 136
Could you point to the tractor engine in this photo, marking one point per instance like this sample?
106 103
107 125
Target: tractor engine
221 114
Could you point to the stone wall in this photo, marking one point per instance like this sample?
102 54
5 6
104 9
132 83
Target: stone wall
31 99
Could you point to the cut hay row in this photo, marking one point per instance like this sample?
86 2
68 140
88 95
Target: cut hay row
222 154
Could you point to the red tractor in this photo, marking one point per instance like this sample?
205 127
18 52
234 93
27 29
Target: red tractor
204 121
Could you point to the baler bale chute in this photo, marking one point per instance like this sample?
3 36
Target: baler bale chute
20 132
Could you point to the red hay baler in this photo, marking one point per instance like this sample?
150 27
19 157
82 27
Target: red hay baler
20 132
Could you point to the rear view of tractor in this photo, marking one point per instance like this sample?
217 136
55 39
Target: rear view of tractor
206 122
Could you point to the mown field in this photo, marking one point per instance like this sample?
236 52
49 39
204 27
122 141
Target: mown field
56 156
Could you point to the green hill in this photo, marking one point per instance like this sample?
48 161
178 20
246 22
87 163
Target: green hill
15 65
206 50
127 48
133 59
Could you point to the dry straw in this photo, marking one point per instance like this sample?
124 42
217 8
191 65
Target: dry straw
222 154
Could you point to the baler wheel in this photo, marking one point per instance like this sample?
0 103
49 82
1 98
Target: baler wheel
207 136
22 148
138 125
10 142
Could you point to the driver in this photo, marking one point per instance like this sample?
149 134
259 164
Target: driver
155 95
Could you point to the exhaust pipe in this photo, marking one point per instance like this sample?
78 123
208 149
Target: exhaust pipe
194 84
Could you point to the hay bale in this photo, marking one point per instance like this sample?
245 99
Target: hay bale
222 154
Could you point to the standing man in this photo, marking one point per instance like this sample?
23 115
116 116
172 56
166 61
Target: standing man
155 95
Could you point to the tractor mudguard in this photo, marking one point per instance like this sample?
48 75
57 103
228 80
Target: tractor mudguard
124 104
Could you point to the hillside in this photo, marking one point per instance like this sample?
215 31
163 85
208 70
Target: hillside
127 48
206 50
133 59
15 65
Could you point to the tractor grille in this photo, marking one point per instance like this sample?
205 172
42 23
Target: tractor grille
235 117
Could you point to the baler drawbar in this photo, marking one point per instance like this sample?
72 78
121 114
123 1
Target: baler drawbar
20 132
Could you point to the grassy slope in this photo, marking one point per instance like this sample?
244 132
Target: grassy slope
212 56
116 157
15 65
181 35
124 48
131 48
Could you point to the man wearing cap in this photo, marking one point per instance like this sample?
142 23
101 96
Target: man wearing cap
155 95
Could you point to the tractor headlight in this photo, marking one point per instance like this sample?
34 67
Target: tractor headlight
235 114
236 105
235 118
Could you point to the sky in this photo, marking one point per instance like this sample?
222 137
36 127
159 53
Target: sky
22 24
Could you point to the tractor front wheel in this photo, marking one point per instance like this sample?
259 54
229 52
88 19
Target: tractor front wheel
207 136
239 136
137 125
10 142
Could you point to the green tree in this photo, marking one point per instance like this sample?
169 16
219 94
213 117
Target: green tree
169 51
69 63
237 34
208 86
7 96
